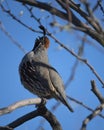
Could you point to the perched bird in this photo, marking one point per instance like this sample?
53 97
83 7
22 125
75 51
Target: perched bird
38 76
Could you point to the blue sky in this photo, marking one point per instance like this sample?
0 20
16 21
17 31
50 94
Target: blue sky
63 61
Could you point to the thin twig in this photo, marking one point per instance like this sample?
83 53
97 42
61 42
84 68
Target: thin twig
19 21
96 92
98 110
32 14
69 50
90 18
100 5
91 116
83 105
78 57
75 20
11 38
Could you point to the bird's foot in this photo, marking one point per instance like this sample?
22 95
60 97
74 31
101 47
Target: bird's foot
43 102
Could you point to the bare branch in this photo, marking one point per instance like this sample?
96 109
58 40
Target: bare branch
91 43
97 110
52 10
92 28
78 57
73 100
91 116
5 128
75 21
41 111
89 18
65 6
19 21
19 104
96 92
100 5
73 70
11 38
51 119
32 14
83 105
75 55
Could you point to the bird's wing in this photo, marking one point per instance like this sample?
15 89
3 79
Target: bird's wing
57 82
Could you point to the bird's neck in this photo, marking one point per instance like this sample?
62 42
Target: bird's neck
41 54
40 50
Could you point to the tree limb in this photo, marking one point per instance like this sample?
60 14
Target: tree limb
41 111
75 20
91 116
97 110
79 58
5 128
19 104
96 92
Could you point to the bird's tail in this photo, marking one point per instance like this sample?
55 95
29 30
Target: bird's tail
67 105
65 102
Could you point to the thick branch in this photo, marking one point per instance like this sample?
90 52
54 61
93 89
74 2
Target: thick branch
53 11
50 118
75 20
5 128
19 104
92 21
41 111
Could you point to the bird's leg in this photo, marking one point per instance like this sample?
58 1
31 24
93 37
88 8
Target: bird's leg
43 102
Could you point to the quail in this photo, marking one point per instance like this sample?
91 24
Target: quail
38 76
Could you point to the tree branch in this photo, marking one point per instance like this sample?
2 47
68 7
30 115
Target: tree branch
96 92
97 110
75 20
78 57
19 21
83 105
11 38
41 111
5 128
91 116
19 104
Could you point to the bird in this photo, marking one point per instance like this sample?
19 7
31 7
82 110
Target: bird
38 76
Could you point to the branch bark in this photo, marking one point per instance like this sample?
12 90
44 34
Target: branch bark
41 111
94 33
5 128
98 110
19 104
78 57
96 92
91 116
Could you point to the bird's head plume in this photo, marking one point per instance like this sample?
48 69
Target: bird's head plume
42 41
